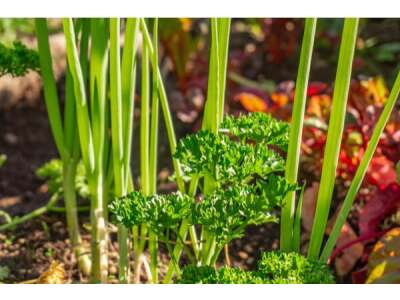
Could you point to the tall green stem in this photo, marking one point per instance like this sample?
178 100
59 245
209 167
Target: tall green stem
296 129
334 137
69 172
214 108
99 271
117 140
153 241
50 88
128 91
164 106
361 171
144 122
91 157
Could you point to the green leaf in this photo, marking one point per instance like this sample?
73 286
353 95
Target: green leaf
274 268
206 154
158 212
258 128
292 267
227 212
208 275
18 60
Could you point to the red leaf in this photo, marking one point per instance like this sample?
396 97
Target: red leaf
252 102
316 88
383 203
359 276
381 172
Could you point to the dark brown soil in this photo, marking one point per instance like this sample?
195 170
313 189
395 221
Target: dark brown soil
26 139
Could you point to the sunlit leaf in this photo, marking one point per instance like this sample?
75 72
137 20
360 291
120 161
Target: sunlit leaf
384 260
252 103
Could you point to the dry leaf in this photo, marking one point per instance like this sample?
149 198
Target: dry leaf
252 102
346 261
55 274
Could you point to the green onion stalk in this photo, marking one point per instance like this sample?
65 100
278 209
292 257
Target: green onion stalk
361 171
65 134
334 137
144 148
153 240
122 106
293 155
149 138
92 122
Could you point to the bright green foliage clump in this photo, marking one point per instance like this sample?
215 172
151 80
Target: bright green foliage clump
227 212
17 60
193 274
248 179
52 172
259 128
158 212
244 179
208 275
225 160
274 268
292 267
247 174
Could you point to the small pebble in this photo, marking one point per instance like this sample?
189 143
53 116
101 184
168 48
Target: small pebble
250 261
11 138
113 270
243 255
248 248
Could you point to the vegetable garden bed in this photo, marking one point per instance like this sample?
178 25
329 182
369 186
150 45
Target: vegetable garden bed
148 198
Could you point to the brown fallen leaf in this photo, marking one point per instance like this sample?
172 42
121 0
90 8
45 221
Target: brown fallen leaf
346 261
55 274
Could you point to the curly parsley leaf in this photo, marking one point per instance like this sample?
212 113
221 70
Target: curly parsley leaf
208 275
18 60
227 212
158 212
292 267
225 160
275 267
258 128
